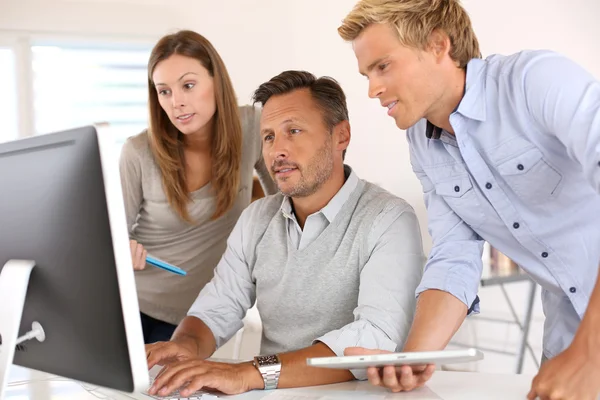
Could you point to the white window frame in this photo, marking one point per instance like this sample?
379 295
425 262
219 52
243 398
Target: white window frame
23 72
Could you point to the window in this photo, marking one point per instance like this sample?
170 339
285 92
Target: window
76 85
8 98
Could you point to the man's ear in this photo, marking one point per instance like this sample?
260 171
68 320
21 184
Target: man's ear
341 135
439 44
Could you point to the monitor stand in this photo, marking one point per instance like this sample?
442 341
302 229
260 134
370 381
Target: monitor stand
14 279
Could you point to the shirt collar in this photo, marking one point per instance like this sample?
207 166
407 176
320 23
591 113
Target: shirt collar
335 204
472 104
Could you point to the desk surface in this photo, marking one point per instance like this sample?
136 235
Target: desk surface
33 385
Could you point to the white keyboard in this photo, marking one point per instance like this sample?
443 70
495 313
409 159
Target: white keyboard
199 395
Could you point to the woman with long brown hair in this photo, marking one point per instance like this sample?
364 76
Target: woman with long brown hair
188 177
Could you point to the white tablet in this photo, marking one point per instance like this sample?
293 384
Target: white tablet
380 360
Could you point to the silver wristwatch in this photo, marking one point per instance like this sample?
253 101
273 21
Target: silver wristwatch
270 368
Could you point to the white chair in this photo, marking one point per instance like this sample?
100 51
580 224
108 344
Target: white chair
245 344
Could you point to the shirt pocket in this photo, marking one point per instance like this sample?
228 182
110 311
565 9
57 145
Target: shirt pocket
460 194
530 177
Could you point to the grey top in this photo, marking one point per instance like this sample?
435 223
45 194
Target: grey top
347 279
196 248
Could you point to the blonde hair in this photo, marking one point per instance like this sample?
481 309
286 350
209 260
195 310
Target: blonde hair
414 21
167 142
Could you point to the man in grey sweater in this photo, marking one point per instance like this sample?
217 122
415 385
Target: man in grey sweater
332 261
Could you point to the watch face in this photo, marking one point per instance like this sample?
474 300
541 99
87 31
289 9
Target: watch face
267 360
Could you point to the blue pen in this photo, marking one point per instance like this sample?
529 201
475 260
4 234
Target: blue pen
164 265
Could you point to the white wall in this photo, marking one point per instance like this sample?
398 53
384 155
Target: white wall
260 38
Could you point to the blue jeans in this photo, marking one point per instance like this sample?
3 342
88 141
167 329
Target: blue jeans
156 330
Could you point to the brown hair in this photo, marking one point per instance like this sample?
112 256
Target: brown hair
325 91
414 21
167 142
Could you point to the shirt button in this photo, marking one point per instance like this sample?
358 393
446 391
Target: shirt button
520 167
544 254
516 225
573 290
456 188
488 185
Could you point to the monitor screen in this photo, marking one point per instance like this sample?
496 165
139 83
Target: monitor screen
61 206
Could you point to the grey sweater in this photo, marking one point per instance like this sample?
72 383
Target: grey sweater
195 248
352 285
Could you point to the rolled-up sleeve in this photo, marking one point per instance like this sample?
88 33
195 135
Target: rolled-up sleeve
386 301
454 265
224 301
564 100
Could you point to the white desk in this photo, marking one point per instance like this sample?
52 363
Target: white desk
443 386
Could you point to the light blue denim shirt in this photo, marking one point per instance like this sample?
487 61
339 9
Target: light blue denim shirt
523 173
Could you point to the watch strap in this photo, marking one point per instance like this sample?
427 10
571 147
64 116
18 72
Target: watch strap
270 373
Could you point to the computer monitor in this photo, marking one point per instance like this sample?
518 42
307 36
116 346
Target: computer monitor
61 207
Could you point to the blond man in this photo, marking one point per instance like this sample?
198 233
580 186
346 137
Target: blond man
507 150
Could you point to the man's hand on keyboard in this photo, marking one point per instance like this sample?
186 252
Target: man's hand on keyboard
162 353
192 375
